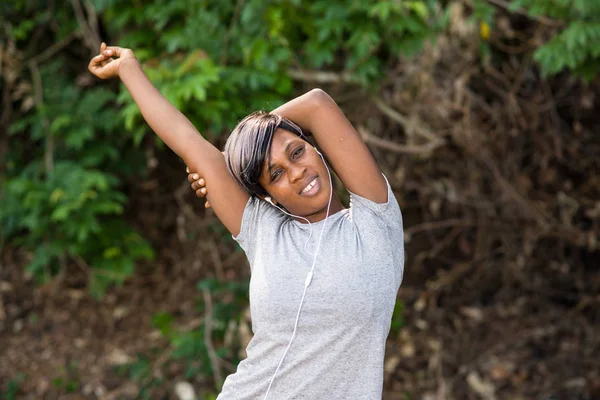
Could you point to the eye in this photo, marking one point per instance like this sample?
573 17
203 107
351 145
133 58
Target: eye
297 153
275 175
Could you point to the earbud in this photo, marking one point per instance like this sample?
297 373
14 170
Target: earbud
268 200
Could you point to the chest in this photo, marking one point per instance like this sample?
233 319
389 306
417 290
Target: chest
353 281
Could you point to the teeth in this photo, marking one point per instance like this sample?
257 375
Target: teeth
309 186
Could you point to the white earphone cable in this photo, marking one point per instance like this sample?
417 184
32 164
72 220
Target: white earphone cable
310 273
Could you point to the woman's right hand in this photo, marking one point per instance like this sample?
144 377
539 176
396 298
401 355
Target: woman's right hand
197 185
106 65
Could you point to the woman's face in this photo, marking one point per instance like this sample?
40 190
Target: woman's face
296 177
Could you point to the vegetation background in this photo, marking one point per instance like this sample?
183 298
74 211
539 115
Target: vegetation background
115 283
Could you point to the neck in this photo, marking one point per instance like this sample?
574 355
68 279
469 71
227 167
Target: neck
336 206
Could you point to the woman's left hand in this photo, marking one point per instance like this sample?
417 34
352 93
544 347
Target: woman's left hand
197 185
106 64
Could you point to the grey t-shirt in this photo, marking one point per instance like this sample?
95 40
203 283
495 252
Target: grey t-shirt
338 351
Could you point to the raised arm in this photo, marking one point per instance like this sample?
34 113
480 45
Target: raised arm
349 156
177 132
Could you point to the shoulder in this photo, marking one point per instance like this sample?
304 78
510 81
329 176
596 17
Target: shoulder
364 210
258 219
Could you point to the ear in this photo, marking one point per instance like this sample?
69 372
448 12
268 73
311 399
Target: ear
270 200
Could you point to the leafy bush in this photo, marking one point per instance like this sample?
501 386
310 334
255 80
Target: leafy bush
75 141
61 197
215 61
218 61
576 46
228 300
12 388
575 32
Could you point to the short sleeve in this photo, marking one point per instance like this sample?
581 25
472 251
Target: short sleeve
376 220
257 220
389 212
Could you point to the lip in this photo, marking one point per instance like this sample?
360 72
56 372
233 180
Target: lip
314 189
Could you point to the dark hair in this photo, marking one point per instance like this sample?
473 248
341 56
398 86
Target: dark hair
250 143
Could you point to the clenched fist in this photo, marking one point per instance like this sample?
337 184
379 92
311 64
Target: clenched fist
106 65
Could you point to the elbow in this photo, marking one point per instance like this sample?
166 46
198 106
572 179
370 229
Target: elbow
319 97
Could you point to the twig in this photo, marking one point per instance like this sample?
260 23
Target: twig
82 265
39 104
212 354
404 121
542 20
90 38
423 150
537 214
434 225
92 19
7 86
450 277
234 21
216 258
185 208
321 76
55 48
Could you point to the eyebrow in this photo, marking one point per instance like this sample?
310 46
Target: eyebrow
287 151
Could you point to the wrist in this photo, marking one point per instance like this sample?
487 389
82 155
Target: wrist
127 65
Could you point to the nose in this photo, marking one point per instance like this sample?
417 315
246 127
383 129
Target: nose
296 173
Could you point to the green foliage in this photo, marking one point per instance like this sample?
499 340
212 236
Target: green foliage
397 318
75 142
575 47
229 300
68 380
218 61
61 197
214 60
11 389
140 372
483 12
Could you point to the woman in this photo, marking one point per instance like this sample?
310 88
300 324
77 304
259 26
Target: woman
321 304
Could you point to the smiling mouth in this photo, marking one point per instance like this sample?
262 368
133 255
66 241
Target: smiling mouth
310 185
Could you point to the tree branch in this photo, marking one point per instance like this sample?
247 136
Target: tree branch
90 37
542 20
404 121
55 48
321 76
38 97
212 354
423 150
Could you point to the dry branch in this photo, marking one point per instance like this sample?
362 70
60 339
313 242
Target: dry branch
215 361
423 150
38 91
322 76
89 31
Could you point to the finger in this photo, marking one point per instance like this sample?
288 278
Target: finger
199 193
191 178
96 61
114 51
207 204
187 170
102 47
200 182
